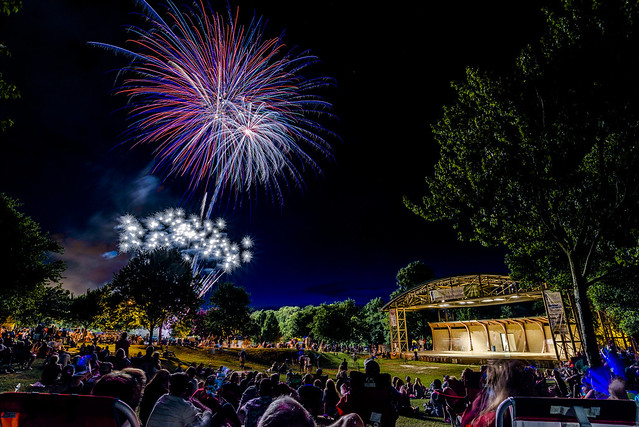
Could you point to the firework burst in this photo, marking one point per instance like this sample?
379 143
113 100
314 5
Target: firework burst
223 106
204 243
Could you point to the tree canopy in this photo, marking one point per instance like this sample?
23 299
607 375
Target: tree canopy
157 285
543 158
27 266
230 313
412 275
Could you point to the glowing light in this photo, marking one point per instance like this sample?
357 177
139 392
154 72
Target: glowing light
203 243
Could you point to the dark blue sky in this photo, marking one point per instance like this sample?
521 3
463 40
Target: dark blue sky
348 233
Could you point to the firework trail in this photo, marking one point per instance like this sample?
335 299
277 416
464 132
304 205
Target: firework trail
222 105
202 242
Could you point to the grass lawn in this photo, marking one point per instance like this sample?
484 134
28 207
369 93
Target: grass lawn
262 359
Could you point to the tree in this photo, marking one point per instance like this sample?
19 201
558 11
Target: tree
86 308
230 313
25 260
335 322
372 325
412 275
158 284
301 321
267 327
544 159
8 91
285 318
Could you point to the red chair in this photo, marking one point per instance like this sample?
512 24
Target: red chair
64 410
558 411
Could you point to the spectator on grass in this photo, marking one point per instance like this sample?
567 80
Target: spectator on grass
51 370
123 343
191 371
509 379
120 361
286 411
253 410
331 398
156 388
617 389
251 391
310 395
175 409
231 391
419 388
119 384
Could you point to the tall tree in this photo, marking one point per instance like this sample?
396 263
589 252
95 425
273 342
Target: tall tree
301 322
544 159
412 275
159 284
285 318
372 325
230 313
25 261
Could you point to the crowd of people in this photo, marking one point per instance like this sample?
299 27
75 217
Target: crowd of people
473 399
218 396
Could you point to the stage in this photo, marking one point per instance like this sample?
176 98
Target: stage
545 360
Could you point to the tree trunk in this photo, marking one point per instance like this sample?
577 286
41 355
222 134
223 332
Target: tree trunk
151 327
584 314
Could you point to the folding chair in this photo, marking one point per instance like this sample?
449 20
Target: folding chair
560 412
64 410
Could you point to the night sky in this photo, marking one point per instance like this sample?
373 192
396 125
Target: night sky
347 233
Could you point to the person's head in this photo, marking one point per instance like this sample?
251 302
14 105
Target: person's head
68 371
307 379
318 372
121 385
138 374
617 389
286 411
120 354
179 384
407 379
149 350
331 387
105 367
318 384
371 367
275 378
266 387
506 379
191 371
123 336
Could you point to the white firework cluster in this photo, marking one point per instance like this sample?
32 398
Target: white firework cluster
202 242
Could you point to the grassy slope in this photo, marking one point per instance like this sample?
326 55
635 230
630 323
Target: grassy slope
262 359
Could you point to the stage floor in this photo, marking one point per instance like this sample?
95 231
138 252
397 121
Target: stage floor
481 358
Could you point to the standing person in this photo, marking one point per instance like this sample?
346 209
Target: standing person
175 409
242 358
123 343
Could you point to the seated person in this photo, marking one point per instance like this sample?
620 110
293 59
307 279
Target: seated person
175 408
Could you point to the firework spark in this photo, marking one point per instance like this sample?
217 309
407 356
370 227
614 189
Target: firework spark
223 105
204 243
